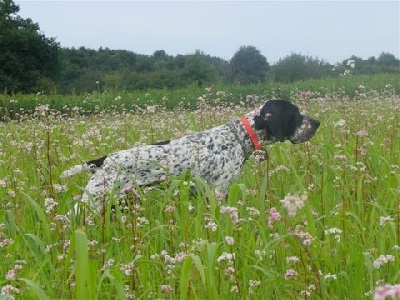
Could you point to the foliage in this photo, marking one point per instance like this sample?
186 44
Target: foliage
341 242
19 105
385 63
199 70
28 59
121 69
296 67
32 62
248 65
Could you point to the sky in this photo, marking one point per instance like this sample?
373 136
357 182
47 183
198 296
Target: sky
328 30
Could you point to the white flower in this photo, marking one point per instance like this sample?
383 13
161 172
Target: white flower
229 240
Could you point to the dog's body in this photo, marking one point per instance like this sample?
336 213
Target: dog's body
217 155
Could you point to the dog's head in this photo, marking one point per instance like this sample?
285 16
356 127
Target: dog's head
281 120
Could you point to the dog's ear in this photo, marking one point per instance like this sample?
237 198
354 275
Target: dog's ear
279 118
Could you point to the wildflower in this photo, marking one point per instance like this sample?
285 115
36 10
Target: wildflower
340 123
42 109
141 221
307 292
304 236
5 242
229 240
169 208
230 271
233 213
61 257
250 97
387 291
165 288
259 254
252 285
127 268
330 276
210 223
384 220
234 289
277 169
128 294
253 212
11 193
382 260
11 274
123 219
307 94
292 259
226 256
336 232
362 133
291 274
292 203
50 205
60 187
260 156
254 282
9 290
274 215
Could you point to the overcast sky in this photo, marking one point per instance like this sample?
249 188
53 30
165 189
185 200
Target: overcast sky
329 30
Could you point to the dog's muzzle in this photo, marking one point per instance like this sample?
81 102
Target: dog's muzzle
306 131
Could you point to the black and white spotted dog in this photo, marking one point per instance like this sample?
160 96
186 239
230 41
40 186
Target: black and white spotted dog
217 155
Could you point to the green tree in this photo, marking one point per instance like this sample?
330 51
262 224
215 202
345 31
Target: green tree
248 65
388 59
198 69
296 67
27 57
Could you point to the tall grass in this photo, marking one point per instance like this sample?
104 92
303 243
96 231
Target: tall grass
318 220
98 102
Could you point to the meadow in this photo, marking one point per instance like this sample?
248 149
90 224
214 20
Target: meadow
319 220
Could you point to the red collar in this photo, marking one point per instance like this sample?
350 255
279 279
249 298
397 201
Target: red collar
252 134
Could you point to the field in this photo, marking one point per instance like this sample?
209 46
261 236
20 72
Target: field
319 220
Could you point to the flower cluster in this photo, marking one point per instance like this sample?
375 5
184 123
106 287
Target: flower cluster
292 203
387 291
383 260
274 216
232 212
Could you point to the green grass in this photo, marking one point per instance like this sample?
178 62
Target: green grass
173 245
17 106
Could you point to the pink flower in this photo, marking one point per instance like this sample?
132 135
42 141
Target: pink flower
291 274
229 240
274 215
307 94
383 260
166 288
292 203
387 291
11 274
362 133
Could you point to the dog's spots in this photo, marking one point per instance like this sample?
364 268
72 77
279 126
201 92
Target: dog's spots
217 155
97 163
162 143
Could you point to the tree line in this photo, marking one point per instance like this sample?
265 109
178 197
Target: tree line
32 62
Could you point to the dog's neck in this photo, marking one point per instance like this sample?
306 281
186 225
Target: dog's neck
242 136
